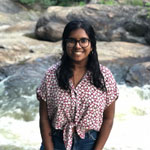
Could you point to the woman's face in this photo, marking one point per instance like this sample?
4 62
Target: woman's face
78 46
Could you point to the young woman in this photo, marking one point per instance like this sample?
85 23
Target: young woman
77 95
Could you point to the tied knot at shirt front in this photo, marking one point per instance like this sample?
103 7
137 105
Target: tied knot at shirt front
82 107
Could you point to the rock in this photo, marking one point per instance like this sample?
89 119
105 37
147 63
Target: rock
22 26
110 22
18 88
139 74
12 13
120 56
2 47
147 37
2 74
22 79
51 32
9 6
17 49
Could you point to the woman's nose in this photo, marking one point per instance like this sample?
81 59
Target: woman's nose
78 45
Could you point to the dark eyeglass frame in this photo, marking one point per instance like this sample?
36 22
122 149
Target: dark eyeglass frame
79 41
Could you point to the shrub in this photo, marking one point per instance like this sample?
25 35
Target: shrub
54 2
108 2
135 2
27 1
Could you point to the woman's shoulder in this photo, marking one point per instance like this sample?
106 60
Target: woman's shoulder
104 69
107 74
52 69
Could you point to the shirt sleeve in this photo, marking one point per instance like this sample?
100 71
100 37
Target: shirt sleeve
41 91
112 93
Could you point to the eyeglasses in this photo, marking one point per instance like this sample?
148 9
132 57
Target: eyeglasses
83 42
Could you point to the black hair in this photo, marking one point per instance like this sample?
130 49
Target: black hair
65 70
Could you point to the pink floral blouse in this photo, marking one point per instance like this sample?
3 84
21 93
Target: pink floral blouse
81 108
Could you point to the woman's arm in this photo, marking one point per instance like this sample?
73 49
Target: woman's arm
106 127
45 127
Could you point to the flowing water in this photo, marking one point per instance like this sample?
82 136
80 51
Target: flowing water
131 130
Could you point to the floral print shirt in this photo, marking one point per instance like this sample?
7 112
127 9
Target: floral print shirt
82 107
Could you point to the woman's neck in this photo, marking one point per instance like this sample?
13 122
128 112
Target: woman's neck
80 65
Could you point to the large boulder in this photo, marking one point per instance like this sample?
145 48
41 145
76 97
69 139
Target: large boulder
51 32
50 26
111 23
139 74
121 56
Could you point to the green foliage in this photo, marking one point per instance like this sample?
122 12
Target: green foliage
27 1
148 9
47 3
82 3
148 13
108 2
64 2
135 2
147 4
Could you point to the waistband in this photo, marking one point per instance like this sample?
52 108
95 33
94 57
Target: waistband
60 132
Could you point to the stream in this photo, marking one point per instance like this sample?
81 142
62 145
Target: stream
130 130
